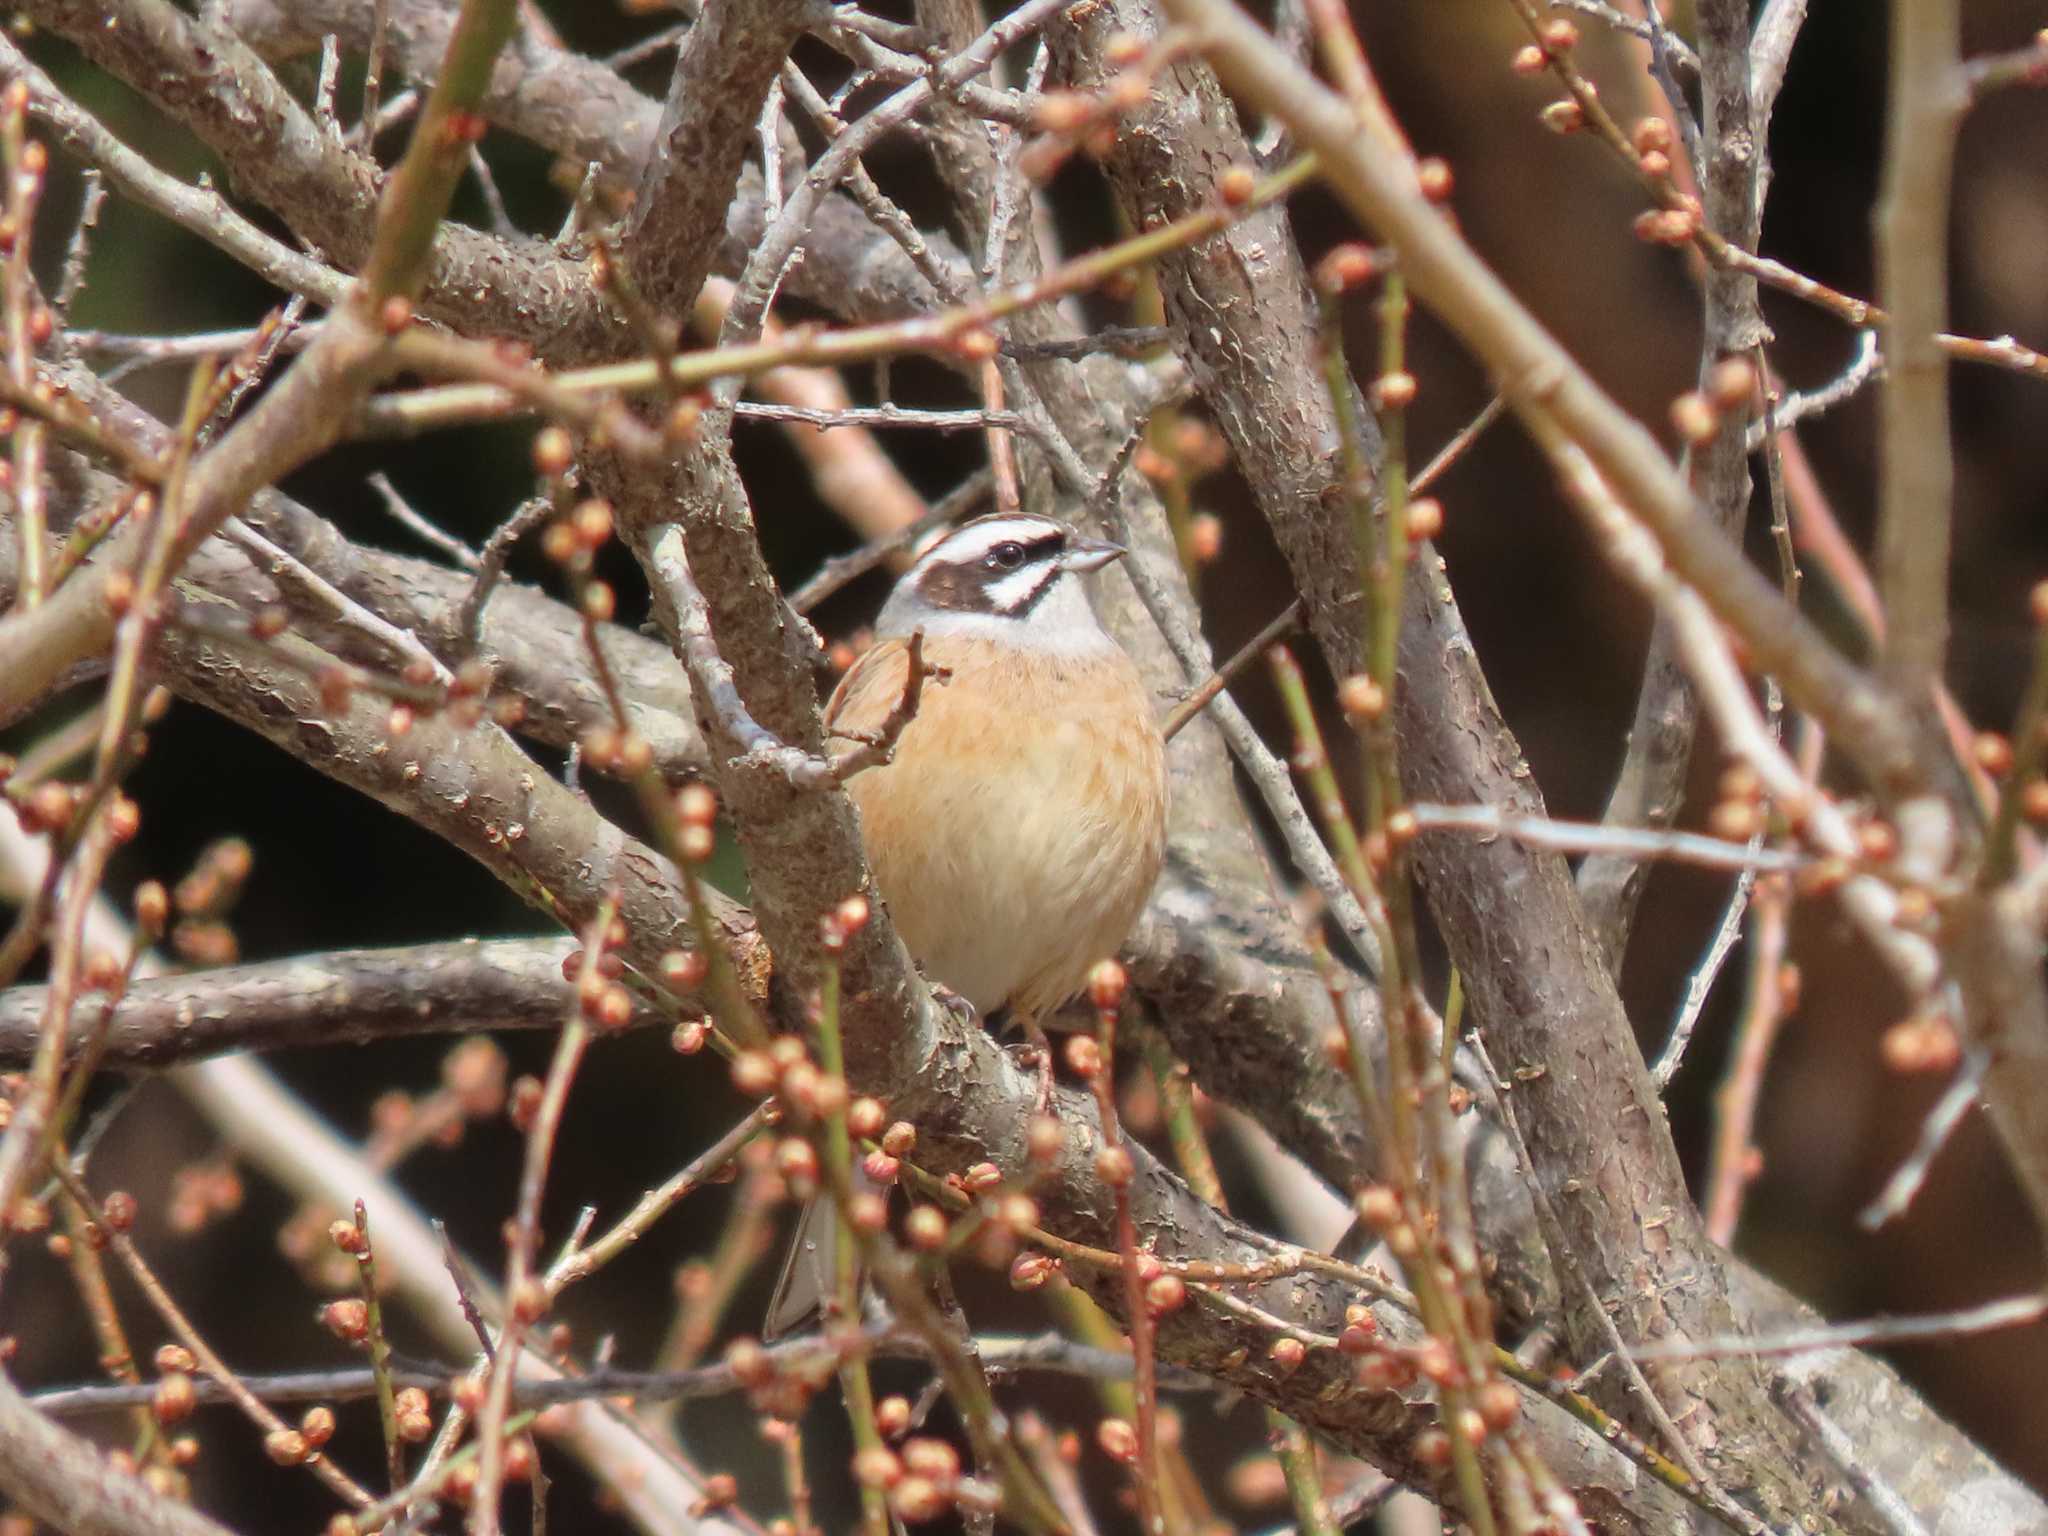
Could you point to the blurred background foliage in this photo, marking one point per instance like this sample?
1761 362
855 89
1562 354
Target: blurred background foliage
1559 638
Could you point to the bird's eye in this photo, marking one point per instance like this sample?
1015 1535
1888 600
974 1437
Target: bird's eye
1006 556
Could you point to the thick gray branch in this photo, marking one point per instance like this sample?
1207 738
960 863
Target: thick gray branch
68 1484
575 106
216 86
349 997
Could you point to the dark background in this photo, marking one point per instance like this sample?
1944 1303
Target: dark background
1559 638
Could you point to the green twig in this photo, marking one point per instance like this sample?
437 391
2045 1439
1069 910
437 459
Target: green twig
422 183
379 1349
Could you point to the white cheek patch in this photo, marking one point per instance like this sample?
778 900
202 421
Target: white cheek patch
1014 593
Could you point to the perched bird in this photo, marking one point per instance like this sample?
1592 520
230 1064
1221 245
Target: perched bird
1018 826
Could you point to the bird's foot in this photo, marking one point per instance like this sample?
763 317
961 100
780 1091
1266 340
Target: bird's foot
1039 1046
954 1003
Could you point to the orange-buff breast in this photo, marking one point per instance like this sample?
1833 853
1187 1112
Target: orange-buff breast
1019 827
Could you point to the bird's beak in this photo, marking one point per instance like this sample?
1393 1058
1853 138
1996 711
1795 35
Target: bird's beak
1084 555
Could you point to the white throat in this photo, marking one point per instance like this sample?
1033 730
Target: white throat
1060 623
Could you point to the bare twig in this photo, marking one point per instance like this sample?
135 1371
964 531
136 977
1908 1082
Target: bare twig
1700 985
1578 837
879 746
712 677
1735 1104
25 165
373 75
402 513
1956 1101
526 1298
1199 698
891 548
1993 72
71 282
1922 1328
1642 1394
490 566
1770 51
1634 26
1896 1513
582 1260
1865 366
181 1328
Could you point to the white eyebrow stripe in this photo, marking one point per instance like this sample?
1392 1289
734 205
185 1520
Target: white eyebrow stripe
968 545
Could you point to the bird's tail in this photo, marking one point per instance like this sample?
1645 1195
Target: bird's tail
808 1271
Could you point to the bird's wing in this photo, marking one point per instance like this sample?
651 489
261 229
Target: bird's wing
871 688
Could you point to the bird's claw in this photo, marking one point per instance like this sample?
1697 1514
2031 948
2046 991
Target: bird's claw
1038 1046
954 1003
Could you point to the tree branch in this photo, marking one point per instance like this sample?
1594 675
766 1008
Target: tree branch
68 1484
1916 486
1650 788
349 997
581 109
212 83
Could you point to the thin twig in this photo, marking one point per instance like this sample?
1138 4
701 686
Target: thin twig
1579 837
523 1310
217 1369
1896 1513
580 1261
71 282
1700 985
1009 1356
1634 26
292 573
1268 774
779 242
712 676
327 88
494 200
26 164
1770 52
891 547
1735 1105
878 746
403 514
1455 449
468 620
649 46
373 75
1996 71
1957 1100
886 415
1281 625
1867 364
1875 1332
378 1344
